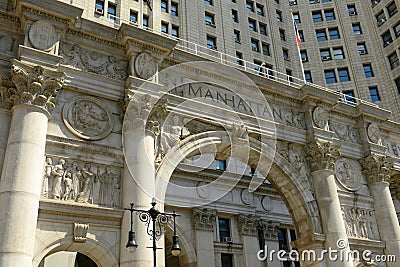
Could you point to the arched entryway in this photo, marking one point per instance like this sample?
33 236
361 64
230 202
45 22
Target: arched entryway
67 259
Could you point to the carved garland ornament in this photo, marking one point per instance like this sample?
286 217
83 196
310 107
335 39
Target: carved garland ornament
87 118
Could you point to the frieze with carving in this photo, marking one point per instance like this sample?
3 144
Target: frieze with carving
204 219
392 149
345 132
347 175
79 182
288 117
360 223
32 85
94 62
87 118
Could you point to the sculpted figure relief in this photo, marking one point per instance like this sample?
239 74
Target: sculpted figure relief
109 186
374 134
320 118
145 66
360 223
58 174
47 176
347 175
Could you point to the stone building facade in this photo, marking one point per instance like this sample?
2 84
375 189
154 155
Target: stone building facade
95 116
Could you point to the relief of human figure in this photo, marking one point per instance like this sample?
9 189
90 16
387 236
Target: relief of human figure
76 179
115 193
86 194
105 180
58 174
362 224
47 177
67 186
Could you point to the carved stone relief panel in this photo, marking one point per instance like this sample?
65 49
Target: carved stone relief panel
145 66
42 35
288 117
345 132
87 118
320 117
374 133
90 61
360 223
392 149
80 232
247 197
78 181
347 175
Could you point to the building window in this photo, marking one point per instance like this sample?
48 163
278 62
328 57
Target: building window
325 1
235 16
265 49
329 14
239 59
145 21
397 82
373 92
334 33
344 75
224 229
164 27
209 19
317 16
321 35
255 45
303 55
338 53
236 36
285 53
393 60
380 18
296 18
292 2
263 28
282 34
307 76
330 76
301 35
368 70
260 9
252 25
226 260
375 2
349 97
357 29
112 11
391 9
352 10
211 42
325 54
387 38
175 31
250 6
279 15
283 240
164 6
99 7
174 9
208 2
396 30
133 16
220 164
362 49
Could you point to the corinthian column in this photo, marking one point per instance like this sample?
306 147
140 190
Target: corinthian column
249 226
377 173
322 162
203 222
30 100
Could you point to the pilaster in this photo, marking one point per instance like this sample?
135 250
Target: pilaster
203 222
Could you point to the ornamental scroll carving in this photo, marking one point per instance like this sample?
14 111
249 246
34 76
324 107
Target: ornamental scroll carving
345 132
80 232
204 219
376 168
90 61
360 223
80 182
321 155
31 85
87 118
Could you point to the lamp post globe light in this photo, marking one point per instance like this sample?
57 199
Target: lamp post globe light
157 219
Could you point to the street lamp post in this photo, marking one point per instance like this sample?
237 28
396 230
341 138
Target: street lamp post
157 219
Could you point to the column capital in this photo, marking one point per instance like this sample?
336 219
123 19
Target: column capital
204 219
249 224
33 86
321 154
270 230
376 168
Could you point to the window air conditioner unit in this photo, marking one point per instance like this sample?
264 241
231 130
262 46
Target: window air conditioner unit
381 21
286 58
303 59
227 239
99 11
352 13
362 52
292 3
325 58
316 1
386 43
254 49
214 47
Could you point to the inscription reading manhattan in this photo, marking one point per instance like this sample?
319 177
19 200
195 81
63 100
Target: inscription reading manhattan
216 94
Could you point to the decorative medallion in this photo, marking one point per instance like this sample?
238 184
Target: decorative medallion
320 118
87 118
247 197
202 190
374 133
42 35
266 203
145 66
347 175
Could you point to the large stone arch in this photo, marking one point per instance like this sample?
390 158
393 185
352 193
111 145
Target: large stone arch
281 174
95 250
188 254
